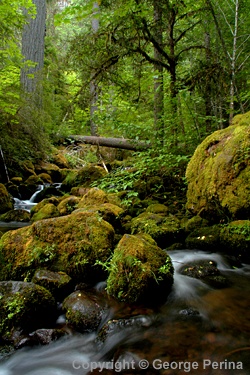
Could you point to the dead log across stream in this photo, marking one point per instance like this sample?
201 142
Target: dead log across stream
122 143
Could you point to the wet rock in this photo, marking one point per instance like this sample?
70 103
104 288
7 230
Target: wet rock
207 271
45 336
120 327
58 283
140 271
84 311
24 306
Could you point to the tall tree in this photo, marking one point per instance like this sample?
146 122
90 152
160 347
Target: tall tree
33 51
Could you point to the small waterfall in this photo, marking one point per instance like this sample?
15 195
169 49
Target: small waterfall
27 204
33 197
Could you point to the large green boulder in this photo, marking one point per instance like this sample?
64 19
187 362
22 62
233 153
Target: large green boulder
218 174
139 271
70 244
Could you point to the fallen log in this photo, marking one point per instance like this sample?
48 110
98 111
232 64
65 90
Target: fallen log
127 144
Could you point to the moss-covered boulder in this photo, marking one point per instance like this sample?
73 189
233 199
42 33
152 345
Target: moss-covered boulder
46 212
16 215
68 204
6 202
58 283
93 197
84 311
232 239
195 222
70 244
37 207
140 272
109 212
25 306
218 174
158 208
83 177
205 238
165 230
235 239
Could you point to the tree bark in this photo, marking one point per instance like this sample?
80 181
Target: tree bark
158 79
122 143
33 49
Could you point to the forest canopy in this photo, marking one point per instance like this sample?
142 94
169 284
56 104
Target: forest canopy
166 72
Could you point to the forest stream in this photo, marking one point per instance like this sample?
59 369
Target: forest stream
199 330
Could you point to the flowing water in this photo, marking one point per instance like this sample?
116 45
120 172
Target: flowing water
199 330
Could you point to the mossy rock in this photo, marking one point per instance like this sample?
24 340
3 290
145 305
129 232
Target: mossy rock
33 180
16 180
16 215
165 230
94 196
27 168
68 204
140 272
83 177
206 238
45 178
40 205
108 212
158 208
55 173
71 244
46 212
84 311
25 306
195 222
218 174
6 202
60 160
58 283
235 239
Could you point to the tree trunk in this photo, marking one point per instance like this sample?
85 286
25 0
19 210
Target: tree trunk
122 143
158 79
93 82
33 50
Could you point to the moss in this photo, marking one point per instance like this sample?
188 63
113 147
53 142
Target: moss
164 230
70 244
58 283
218 174
157 208
67 205
24 305
140 271
16 215
93 197
235 238
206 238
84 176
6 202
47 211
195 222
